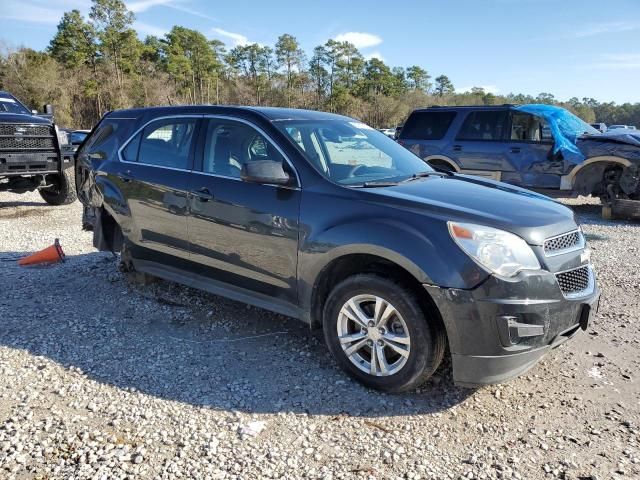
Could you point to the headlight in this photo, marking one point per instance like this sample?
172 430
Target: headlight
500 252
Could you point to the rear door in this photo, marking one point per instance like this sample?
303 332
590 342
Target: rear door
243 234
479 146
154 177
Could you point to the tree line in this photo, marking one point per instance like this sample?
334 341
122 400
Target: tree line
97 64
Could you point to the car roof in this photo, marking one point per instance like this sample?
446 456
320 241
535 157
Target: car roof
268 113
465 107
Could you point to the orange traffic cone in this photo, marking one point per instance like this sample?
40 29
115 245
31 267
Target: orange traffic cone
52 254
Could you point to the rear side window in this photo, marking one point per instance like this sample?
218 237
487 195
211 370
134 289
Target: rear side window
484 125
165 143
104 141
427 125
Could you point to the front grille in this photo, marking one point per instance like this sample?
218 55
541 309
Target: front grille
7 129
574 281
563 242
26 143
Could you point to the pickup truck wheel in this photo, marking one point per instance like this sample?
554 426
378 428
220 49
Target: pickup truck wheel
64 190
378 333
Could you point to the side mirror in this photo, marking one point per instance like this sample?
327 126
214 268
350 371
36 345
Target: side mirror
265 171
34 112
48 109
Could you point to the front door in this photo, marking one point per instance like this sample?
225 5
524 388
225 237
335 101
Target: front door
244 234
531 152
154 176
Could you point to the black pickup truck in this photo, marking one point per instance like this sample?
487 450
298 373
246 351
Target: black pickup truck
31 155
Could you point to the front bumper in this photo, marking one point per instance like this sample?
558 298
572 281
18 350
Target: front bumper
501 328
30 163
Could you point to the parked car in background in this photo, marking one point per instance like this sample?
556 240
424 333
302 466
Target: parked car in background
73 136
32 155
601 127
325 219
622 127
389 132
539 147
76 137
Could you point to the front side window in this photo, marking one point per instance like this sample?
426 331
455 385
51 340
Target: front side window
351 153
165 143
484 125
230 144
529 128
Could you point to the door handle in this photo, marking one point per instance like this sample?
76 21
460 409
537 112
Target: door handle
515 149
125 176
457 148
202 194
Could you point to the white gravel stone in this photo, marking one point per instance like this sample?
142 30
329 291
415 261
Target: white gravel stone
103 379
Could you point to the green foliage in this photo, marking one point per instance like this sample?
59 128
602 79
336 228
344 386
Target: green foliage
98 64
191 61
74 44
444 86
418 78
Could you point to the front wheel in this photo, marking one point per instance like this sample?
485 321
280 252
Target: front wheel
63 191
379 334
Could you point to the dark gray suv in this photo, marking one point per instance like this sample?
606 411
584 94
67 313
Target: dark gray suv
325 219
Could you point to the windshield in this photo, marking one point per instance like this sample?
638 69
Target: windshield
352 153
8 104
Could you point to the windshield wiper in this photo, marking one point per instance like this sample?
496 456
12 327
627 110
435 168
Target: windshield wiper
415 176
374 184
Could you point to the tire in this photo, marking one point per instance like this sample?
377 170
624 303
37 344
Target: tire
422 352
64 191
125 265
625 209
441 166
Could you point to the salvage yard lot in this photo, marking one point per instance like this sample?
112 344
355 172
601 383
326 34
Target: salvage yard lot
103 379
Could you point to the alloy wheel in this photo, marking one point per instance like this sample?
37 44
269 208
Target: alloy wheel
373 335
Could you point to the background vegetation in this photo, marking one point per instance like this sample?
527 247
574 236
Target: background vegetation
97 64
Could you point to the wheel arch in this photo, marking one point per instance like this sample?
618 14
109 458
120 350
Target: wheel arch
348 264
589 173
444 160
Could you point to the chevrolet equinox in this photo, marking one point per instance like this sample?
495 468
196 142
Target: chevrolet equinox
322 218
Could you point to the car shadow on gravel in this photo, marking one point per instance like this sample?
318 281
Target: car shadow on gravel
181 344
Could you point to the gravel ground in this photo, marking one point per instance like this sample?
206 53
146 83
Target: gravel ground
102 379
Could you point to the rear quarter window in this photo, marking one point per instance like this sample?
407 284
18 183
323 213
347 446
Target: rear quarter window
106 138
427 125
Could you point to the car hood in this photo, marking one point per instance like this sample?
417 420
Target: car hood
464 198
22 118
629 137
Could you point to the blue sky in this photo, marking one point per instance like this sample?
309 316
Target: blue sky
568 48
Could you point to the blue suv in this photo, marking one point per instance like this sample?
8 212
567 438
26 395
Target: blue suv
540 147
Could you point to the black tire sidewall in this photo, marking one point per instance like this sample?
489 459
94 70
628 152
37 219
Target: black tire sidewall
66 193
423 357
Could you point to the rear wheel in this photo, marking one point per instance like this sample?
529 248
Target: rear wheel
379 334
63 191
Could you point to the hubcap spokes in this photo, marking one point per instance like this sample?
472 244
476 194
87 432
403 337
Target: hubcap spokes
373 335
